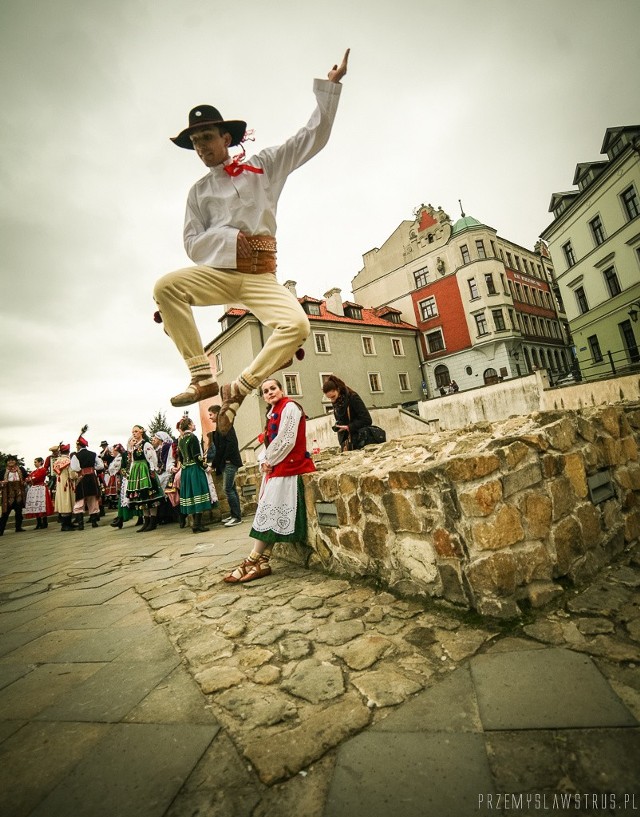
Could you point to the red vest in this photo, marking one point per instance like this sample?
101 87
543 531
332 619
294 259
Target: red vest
298 460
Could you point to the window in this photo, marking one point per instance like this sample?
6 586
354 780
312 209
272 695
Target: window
480 249
428 308
292 385
491 287
311 308
321 340
630 202
493 247
629 341
375 382
397 347
518 292
569 255
509 261
581 298
473 288
464 250
218 362
594 346
403 380
612 282
597 230
517 261
498 320
421 277
481 324
435 341
368 347
441 374
324 376
354 312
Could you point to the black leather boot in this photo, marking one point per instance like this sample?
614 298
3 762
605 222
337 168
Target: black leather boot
145 527
38 523
94 520
79 517
198 527
45 522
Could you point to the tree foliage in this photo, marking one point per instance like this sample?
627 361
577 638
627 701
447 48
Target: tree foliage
159 423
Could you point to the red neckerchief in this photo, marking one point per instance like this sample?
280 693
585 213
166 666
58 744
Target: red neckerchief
235 166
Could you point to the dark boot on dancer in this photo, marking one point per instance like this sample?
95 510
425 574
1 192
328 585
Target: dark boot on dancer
66 523
94 520
117 522
145 527
198 527
183 520
139 521
38 523
45 522
79 517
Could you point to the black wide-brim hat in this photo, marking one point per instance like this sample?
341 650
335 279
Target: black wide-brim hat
204 115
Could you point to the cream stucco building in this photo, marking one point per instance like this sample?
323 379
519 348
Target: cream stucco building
594 241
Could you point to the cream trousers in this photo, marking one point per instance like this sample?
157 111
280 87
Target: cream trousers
271 303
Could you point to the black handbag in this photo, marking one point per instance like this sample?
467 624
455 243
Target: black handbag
370 435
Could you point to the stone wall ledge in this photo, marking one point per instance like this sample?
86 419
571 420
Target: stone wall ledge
493 517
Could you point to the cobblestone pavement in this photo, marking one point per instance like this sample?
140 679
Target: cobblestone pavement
134 681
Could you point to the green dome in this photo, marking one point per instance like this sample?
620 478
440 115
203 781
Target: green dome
465 223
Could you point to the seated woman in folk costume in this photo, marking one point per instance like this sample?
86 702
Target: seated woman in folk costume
281 514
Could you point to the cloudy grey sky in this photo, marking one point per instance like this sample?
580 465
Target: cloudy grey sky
490 101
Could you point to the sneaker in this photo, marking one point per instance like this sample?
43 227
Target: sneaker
231 522
225 519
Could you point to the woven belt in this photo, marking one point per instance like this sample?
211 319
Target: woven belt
263 255
85 471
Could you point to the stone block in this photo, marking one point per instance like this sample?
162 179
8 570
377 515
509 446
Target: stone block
467 468
328 487
589 518
575 471
454 586
492 574
567 540
537 510
481 501
632 527
610 451
551 465
629 448
446 545
354 509
561 434
375 540
349 539
629 476
609 419
514 453
370 484
347 484
503 530
401 512
402 480
415 557
525 477
533 563
562 497
586 429
541 593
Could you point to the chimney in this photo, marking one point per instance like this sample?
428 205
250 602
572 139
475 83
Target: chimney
291 286
333 300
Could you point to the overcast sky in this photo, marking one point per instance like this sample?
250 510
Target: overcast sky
490 101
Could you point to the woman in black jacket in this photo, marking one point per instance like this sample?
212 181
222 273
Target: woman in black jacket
349 411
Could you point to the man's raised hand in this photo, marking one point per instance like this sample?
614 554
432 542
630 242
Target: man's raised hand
337 72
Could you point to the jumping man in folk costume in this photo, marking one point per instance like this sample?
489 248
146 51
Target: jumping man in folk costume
229 233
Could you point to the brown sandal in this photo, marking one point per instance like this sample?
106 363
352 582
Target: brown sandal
241 569
256 570
195 392
231 401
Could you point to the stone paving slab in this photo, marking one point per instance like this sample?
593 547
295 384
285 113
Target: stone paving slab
111 693
543 689
136 769
27 697
409 775
38 757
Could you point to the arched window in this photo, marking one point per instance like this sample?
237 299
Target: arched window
534 357
490 376
442 376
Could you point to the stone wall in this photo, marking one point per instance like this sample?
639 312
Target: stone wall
493 517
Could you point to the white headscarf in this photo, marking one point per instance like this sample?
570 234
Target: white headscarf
162 435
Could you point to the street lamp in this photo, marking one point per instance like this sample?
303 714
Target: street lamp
634 311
